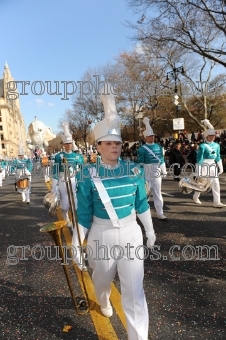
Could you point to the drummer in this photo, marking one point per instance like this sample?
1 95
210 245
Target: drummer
3 165
23 168
45 164
74 160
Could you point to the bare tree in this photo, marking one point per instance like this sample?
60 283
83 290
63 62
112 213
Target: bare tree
87 109
195 25
55 145
139 76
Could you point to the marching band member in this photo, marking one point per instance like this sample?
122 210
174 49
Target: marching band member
45 165
150 155
109 195
1 172
73 160
23 168
208 161
3 165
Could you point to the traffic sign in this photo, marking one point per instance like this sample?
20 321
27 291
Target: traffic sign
178 124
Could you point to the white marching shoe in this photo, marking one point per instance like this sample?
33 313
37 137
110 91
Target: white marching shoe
108 311
219 205
197 200
161 217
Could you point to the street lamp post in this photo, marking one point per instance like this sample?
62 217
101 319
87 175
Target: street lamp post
174 74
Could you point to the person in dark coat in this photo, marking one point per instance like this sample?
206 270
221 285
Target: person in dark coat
177 159
193 153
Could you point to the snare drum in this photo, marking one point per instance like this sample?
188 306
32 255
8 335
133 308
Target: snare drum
45 161
22 183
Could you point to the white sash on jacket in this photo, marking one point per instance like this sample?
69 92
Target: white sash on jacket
105 198
152 153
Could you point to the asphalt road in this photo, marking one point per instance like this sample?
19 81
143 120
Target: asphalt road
185 284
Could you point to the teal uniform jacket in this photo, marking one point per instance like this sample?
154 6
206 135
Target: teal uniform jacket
126 190
208 151
145 157
23 163
3 164
74 160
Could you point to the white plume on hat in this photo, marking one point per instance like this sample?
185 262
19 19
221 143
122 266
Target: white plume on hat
148 131
20 149
109 128
74 146
210 131
67 137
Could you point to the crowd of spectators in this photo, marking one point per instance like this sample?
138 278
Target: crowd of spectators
187 146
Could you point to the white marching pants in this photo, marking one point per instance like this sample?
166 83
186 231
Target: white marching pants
214 180
25 194
3 173
153 177
109 253
0 179
46 173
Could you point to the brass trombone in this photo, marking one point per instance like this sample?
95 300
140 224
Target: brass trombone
80 300
72 208
55 229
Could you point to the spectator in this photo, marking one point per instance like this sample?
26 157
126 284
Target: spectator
193 139
177 159
193 153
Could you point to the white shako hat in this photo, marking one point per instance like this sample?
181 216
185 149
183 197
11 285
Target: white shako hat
109 128
20 149
67 137
210 131
148 131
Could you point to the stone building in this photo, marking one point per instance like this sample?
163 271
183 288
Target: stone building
12 125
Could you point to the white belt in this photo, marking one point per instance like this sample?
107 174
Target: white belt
61 174
124 222
208 161
152 166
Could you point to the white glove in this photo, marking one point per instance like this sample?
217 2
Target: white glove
220 165
82 231
146 220
163 169
54 185
79 256
151 238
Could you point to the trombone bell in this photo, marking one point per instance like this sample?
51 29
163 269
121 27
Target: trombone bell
55 230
